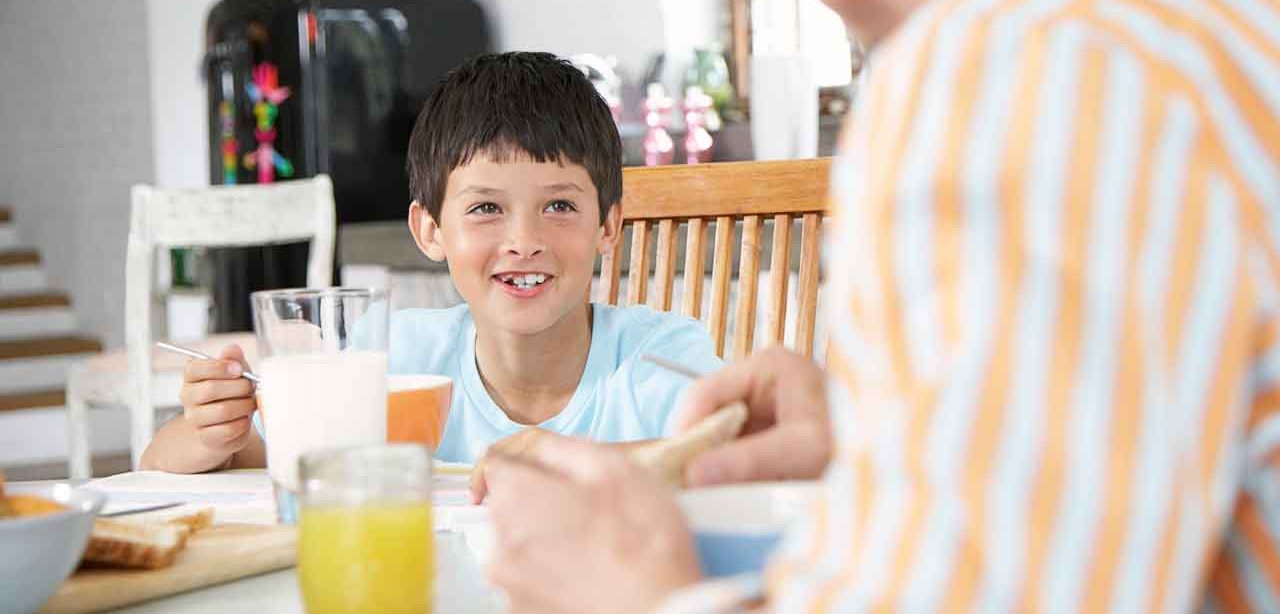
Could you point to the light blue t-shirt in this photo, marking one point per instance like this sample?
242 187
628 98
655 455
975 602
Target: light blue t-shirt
619 398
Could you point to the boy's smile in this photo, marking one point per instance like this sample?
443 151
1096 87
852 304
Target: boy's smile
521 239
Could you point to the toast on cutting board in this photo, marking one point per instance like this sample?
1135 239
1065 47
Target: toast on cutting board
147 541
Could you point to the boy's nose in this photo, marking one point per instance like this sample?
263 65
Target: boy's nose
525 241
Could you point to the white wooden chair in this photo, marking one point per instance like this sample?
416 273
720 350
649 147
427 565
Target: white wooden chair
222 216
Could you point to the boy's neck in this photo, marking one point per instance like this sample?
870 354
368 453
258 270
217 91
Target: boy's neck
533 377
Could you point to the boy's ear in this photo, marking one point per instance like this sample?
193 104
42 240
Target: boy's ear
426 232
611 229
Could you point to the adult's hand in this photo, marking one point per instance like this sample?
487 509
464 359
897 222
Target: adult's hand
580 529
788 430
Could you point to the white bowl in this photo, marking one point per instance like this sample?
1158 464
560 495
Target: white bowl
41 551
737 527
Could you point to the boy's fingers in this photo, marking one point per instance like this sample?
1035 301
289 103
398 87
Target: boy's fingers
226 433
235 354
201 370
194 394
220 412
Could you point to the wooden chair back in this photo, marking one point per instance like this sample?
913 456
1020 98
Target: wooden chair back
659 201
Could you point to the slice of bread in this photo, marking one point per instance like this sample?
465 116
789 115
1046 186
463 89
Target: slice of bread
147 545
194 518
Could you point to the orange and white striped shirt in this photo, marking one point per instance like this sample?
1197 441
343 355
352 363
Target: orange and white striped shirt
1055 317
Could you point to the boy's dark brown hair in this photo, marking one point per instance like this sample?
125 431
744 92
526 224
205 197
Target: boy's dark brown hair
508 105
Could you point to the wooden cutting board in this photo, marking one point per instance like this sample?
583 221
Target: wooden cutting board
215 555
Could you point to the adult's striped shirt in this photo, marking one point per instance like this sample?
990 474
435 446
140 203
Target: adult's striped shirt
1055 352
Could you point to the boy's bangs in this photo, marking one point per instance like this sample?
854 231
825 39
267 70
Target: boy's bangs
503 149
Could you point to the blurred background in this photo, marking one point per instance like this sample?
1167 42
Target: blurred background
97 96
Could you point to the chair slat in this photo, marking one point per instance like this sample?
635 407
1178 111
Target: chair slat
811 240
748 287
610 272
638 274
694 265
721 264
664 275
779 276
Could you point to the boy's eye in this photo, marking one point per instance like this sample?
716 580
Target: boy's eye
484 209
561 206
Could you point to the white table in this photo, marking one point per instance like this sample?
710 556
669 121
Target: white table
460 583
460 589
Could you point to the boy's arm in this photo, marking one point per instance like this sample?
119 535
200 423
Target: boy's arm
177 448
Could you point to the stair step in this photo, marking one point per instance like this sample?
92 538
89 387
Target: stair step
22 279
48 346
32 400
19 257
34 300
42 314
8 236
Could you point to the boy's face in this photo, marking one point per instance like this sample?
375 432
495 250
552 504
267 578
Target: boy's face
521 239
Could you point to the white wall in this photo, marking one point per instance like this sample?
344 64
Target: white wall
180 137
630 30
75 115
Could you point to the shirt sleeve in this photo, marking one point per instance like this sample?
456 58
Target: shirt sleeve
1245 577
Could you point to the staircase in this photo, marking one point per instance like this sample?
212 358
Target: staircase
39 342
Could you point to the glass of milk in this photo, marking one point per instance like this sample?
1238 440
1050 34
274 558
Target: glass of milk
324 377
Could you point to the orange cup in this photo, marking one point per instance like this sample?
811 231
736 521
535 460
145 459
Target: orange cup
417 407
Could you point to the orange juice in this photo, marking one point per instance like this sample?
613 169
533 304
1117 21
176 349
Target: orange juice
375 558
417 407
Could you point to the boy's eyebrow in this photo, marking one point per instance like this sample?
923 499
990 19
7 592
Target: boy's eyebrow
563 186
481 190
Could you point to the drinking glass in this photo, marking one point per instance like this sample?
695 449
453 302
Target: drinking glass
365 538
324 377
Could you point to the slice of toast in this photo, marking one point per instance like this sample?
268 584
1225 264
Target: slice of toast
147 545
194 518
668 457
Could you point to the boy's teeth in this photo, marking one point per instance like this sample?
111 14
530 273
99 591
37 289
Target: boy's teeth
528 280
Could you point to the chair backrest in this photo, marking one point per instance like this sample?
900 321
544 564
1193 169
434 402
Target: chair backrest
747 195
220 216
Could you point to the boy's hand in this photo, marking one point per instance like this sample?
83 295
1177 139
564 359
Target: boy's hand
218 403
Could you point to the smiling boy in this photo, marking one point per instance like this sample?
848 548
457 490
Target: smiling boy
515 168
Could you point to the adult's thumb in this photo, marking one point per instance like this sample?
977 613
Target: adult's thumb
779 453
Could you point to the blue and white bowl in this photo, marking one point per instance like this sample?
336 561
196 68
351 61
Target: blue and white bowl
737 527
39 552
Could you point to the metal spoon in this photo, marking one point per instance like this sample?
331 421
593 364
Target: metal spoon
247 374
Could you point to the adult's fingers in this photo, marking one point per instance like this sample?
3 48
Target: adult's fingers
790 452
578 459
736 382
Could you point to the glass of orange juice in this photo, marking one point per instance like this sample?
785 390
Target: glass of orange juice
417 407
365 539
